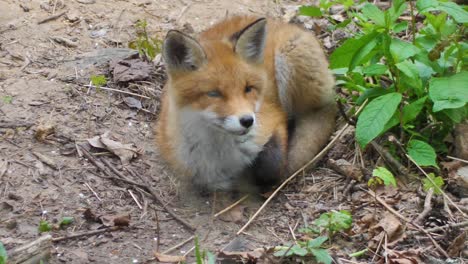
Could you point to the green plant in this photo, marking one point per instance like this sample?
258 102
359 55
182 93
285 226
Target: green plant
148 47
98 80
66 220
435 182
203 257
44 226
3 254
381 175
334 221
7 99
305 248
415 87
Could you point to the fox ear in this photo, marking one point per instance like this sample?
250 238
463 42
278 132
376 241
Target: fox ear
182 52
250 42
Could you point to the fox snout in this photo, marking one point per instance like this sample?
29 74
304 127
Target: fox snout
239 124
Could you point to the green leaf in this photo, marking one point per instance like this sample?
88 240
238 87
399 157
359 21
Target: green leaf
3 254
66 221
299 251
375 69
375 116
425 5
437 185
385 175
198 255
400 27
457 114
7 99
342 56
211 257
449 92
359 253
362 53
408 68
316 242
454 10
412 110
44 226
422 153
402 50
374 13
397 8
311 11
98 80
321 255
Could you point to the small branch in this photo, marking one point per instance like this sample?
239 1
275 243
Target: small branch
393 211
117 90
90 233
231 206
169 250
15 124
47 19
435 186
390 159
31 252
458 159
91 189
440 228
427 207
122 177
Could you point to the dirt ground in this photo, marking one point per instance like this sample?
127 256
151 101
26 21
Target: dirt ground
43 82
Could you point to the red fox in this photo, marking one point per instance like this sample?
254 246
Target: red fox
249 98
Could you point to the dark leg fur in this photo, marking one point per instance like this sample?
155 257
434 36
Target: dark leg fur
269 166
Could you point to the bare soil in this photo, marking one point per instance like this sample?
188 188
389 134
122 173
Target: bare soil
43 85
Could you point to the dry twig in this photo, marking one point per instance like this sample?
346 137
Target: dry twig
427 207
231 206
90 233
47 19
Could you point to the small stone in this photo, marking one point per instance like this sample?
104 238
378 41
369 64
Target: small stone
72 16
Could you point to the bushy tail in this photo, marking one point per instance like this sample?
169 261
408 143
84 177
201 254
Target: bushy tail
311 133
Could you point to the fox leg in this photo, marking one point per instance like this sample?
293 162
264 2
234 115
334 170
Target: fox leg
310 134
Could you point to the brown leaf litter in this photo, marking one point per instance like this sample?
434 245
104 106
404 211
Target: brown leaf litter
125 152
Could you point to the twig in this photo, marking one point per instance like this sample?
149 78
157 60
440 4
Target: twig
135 199
15 124
47 19
116 90
390 159
178 245
317 157
91 189
122 177
90 233
231 206
435 186
427 207
48 161
440 228
455 158
393 211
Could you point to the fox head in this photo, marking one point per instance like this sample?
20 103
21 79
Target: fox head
221 80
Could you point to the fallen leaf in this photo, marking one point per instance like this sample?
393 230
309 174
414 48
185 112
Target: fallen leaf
125 152
345 168
236 214
132 102
250 256
168 258
45 159
115 220
457 245
410 256
391 226
43 131
90 216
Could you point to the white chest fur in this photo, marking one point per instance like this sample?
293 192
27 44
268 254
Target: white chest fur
215 158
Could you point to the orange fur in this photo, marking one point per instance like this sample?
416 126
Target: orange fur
305 90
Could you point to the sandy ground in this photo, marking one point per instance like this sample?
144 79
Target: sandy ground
42 84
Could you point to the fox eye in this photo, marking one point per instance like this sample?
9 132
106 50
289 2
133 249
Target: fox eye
213 93
248 89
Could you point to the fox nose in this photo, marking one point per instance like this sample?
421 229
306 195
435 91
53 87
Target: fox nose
246 121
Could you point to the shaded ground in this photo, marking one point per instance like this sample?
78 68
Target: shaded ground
42 85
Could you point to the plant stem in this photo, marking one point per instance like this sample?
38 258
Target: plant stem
413 21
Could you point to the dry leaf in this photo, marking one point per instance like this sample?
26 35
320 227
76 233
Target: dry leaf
168 258
132 102
45 159
43 131
112 220
404 257
125 152
457 245
236 214
90 216
391 225
344 167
